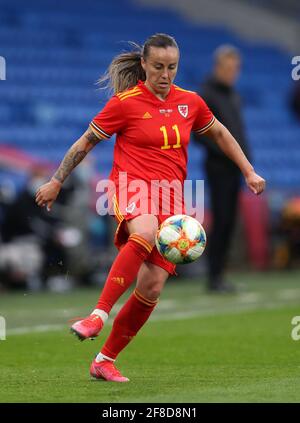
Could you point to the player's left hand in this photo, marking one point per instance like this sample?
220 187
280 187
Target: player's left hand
255 183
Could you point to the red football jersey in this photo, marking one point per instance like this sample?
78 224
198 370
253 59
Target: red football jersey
152 135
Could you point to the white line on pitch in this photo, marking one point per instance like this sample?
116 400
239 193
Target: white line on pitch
229 309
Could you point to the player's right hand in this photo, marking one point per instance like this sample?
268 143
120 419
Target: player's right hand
47 193
255 183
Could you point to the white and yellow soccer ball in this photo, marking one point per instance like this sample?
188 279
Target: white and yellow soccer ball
181 239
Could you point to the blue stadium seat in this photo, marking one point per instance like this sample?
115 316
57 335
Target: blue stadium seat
50 95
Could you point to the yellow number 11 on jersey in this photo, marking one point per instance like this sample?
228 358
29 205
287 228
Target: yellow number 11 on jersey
166 145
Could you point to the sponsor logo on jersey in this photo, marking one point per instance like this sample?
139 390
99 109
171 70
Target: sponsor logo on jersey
165 111
183 109
147 115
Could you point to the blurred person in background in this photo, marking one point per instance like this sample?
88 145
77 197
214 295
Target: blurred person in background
33 248
143 113
223 175
287 250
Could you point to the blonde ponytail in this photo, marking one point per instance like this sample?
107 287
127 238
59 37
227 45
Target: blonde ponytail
124 71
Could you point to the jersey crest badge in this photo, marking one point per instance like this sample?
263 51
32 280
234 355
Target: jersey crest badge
183 109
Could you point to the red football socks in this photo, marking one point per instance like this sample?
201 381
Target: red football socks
132 316
124 271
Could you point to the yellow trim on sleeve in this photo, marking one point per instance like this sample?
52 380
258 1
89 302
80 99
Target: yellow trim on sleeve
99 131
101 137
207 127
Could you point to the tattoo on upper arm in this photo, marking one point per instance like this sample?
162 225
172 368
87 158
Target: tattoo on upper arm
92 138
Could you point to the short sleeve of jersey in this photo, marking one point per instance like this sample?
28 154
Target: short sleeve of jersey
109 120
204 117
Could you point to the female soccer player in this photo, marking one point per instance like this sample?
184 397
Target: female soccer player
153 119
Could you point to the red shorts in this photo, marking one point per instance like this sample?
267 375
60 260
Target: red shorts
121 237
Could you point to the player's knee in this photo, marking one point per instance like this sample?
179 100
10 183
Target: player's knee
149 234
151 293
145 226
152 287
154 293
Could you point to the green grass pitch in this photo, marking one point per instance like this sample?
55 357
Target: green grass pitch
195 348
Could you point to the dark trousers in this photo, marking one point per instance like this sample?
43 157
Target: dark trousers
224 186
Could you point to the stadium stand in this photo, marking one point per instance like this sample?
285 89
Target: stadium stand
56 52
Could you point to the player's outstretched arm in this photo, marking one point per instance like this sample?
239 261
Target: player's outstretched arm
233 151
47 193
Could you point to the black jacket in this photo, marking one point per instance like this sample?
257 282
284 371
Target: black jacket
225 103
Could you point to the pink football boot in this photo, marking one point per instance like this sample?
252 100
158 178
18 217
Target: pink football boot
106 370
88 327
